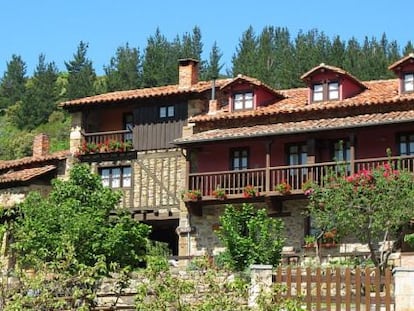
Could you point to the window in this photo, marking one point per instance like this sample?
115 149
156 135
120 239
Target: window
239 159
409 82
406 144
116 177
325 91
342 153
297 155
167 112
242 101
128 125
342 150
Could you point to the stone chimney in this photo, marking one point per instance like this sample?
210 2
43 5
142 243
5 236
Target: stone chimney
41 145
187 73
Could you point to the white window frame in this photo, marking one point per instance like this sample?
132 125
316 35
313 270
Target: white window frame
408 82
167 112
116 177
243 101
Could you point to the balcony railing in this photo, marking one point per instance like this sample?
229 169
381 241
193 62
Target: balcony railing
111 141
264 180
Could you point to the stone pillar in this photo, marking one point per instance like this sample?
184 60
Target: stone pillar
75 132
261 281
404 288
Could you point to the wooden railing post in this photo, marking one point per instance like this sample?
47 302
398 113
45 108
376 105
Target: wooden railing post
267 172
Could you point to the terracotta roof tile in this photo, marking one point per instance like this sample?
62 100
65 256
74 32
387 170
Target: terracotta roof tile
59 155
299 126
25 174
401 61
159 91
381 92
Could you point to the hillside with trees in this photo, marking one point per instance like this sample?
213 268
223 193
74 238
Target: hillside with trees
29 104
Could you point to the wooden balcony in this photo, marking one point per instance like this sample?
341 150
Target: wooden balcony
109 145
264 180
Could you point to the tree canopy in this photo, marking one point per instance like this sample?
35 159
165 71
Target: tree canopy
75 218
372 205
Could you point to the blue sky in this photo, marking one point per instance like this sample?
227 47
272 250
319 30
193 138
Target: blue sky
55 27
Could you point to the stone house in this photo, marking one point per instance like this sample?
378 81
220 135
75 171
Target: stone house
253 136
194 138
35 173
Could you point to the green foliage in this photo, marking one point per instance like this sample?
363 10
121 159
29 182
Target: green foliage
124 70
372 205
62 285
250 236
76 214
81 75
41 97
12 84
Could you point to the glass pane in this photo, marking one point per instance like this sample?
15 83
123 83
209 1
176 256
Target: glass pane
244 163
317 96
333 94
238 104
403 148
105 177
170 111
236 163
126 178
318 88
116 178
163 112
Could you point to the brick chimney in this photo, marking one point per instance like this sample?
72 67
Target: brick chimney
41 145
187 73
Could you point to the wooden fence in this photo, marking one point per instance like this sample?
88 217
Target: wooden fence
338 288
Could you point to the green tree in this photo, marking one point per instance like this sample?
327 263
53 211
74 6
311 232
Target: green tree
76 216
408 48
244 61
213 67
12 84
40 98
81 75
250 236
160 61
371 205
124 70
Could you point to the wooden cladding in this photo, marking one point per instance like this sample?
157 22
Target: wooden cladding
153 132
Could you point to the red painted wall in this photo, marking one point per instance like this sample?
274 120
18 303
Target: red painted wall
369 143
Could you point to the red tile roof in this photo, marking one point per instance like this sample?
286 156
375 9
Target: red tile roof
159 91
381 92
25 174
401 61
59 155
300 126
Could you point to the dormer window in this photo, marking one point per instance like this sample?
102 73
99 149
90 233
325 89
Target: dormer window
243 101
325 91
408 82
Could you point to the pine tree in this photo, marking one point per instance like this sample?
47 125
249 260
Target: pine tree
160 61
41 96
213 67
12 84
245 59
409 48
124 70
81 75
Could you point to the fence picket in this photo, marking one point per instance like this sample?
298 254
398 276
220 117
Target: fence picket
339 289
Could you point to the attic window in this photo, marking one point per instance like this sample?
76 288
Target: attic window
408 82
325 91
243 101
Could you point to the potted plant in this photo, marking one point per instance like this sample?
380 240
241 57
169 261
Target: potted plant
249 192
308 187
283 188
329 239
191 195
219 193
310 241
